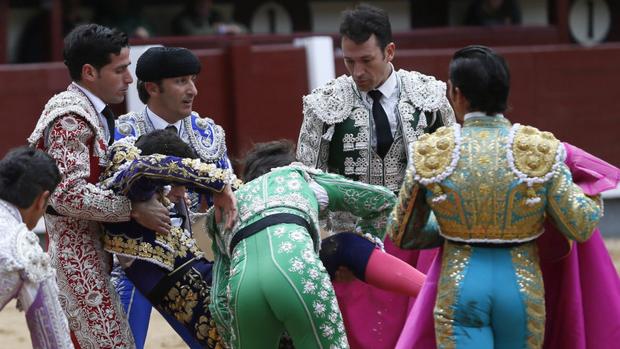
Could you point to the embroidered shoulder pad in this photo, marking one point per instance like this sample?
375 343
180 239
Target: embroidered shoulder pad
434 156
533 155
332 102
424 91
206 137
31 257
127 125
65 103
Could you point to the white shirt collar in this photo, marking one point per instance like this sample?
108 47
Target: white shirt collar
13 210
475 114
96 101
159 123
389 85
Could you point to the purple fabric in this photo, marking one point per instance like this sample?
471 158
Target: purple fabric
40 322
373 317
38 329
582 288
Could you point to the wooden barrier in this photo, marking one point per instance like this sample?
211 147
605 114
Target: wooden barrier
254 91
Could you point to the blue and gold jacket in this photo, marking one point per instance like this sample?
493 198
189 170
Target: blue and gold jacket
489 182
139 178
202 134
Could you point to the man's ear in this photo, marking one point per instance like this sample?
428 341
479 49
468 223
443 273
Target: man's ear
451 92
89 72
389 51
41 201
460 97
151 87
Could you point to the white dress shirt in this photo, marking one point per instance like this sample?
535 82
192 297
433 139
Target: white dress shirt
159 123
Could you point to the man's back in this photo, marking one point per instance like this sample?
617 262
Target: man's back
493 182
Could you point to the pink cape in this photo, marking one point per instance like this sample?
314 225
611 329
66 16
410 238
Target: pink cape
582 288
372 317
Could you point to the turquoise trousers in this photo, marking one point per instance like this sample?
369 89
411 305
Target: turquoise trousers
490 297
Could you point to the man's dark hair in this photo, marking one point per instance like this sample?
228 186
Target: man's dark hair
363 21
265 156
483 77
91 44
166 143
143 93
24 174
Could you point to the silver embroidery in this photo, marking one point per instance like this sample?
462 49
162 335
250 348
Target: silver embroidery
70 102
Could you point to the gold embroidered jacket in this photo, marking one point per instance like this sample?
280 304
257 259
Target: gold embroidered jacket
488 182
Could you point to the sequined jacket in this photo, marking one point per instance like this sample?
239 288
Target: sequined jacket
489 182
205 137
335 133
202 134
70 131
26 274
286 190
139 178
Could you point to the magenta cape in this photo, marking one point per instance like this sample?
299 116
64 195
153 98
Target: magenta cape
372 317
582 288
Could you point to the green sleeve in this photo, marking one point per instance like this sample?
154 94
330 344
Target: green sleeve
371 203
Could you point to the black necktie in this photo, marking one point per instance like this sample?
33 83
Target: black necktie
382 125
109 117
173 129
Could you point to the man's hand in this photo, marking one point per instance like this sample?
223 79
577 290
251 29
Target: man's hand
225 203
151 214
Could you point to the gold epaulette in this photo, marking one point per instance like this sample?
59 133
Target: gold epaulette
534 156
434 153
535 152
434 157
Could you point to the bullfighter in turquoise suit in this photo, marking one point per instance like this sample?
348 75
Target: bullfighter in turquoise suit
483 190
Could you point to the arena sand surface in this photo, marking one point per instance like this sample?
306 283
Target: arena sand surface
14 331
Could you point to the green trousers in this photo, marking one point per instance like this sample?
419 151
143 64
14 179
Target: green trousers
277 283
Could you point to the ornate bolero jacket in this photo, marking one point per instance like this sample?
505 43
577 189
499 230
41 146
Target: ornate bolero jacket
336 131
70 131
203 135
287 190
490 182
26 274
139 177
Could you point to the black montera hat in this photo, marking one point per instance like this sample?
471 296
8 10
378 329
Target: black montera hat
158 63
